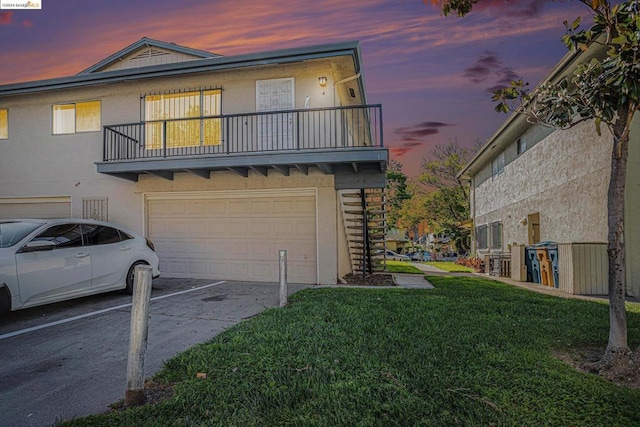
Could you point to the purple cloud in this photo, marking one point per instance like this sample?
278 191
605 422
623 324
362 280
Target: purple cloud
489 67
412 137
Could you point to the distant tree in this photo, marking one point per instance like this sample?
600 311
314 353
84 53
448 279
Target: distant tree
447 200
605 90
414 210
397 191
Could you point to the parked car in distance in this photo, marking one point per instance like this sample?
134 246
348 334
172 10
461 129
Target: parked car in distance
46 261
388 254
421 256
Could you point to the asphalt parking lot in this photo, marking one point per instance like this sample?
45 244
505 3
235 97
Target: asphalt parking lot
69 360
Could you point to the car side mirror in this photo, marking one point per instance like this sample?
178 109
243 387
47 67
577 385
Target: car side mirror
38 246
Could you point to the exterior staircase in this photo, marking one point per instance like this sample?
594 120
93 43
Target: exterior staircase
365 225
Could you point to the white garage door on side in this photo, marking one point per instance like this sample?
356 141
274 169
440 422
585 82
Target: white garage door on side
35 207
219 236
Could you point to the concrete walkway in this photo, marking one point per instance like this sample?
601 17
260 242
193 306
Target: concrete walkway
418 281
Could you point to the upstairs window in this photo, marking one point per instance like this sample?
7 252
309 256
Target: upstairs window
76 117
496 235
497 166
481 237
4 123
180 119
521 145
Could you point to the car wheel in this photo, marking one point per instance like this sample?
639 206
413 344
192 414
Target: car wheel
131 276
5 302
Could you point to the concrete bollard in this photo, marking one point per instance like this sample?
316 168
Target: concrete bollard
138 336
283 278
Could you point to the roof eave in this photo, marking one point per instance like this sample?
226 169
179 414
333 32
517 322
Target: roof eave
188 67
517 122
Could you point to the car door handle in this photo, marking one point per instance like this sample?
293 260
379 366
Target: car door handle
125 248
82 255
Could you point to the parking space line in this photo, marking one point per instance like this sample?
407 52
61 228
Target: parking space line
95 313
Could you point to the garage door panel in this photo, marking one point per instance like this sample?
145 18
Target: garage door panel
214 207
197 207
306 207
261 250
235 238
260 207
239 207
35 208
260 228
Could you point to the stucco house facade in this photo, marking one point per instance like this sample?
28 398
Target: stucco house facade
532 184
220 161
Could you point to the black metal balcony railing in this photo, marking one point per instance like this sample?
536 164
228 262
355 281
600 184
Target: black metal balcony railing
307 129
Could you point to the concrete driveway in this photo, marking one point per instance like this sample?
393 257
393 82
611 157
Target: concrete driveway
69 360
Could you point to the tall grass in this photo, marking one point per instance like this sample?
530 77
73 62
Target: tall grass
470 352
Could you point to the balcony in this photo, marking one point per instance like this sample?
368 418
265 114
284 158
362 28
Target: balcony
344 141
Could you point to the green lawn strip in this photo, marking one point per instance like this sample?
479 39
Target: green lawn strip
470 352
402 267
449 266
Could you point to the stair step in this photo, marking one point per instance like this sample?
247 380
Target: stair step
370 235
360 219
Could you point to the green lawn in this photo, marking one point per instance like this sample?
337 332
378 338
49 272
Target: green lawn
401 267
472 352
449 266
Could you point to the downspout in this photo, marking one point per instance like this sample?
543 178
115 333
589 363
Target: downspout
345 80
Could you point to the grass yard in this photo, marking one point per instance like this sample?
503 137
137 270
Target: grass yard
450 266
472 352
401 267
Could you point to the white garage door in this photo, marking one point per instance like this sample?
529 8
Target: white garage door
37 207
234 236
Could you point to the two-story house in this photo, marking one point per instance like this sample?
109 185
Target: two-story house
532 184
221 161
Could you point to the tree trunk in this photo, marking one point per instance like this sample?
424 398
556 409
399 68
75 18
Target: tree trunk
617 347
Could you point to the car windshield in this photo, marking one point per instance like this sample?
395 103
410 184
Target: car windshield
13 232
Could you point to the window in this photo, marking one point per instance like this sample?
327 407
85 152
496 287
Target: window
521 145
101 235
64 235
180 119
76 117
4 123
497 165
481 237
95 208
496 235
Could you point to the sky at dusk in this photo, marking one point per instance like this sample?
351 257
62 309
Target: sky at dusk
433 75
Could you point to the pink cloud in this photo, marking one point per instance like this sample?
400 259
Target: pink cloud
5 17
27 24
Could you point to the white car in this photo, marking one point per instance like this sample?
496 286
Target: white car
391 255
45 261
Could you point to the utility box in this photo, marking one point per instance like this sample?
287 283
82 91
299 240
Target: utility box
518 263
533 265
583 268
546 270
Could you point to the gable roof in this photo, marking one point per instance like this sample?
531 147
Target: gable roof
217 63
146 43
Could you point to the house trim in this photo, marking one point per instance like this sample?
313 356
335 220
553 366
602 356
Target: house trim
146 42
325 160
220 63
